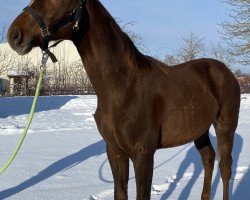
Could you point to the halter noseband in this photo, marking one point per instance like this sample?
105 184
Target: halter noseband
47 31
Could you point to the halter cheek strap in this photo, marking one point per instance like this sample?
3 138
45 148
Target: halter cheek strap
47 31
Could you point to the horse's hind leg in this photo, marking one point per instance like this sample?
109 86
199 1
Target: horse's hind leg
225 137
207 153
225 127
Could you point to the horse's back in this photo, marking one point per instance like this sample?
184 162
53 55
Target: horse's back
210 74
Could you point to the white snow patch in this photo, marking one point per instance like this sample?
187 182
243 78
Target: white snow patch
103 195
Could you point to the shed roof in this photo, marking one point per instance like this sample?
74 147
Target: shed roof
19 73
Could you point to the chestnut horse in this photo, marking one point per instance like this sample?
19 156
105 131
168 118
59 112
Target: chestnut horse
143 104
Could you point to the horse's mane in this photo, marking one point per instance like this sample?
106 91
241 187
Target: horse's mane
134 57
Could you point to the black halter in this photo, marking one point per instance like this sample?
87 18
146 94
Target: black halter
46 31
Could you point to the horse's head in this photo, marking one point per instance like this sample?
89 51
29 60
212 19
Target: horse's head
25 31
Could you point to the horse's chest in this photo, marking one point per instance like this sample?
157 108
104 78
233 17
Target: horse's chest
105 125
124 130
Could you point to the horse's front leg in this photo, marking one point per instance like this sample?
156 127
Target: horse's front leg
143 165
119 163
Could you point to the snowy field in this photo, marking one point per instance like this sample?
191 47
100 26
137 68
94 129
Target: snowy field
63 156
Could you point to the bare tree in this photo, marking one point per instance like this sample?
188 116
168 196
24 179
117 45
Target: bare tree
220 53
171 59
7 59
236 30
2 34
192 47
136 38
5 54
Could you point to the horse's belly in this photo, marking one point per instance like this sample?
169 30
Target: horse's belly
186 123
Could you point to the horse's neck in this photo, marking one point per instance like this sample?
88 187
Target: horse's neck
102 50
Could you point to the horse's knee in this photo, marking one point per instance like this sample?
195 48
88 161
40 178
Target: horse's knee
143 165
120 195
205 196
225 162
224 153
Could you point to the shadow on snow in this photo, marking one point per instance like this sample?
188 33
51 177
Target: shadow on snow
193 158
21 105
242 191
60 165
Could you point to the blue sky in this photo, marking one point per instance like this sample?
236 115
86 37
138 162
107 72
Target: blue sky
161 23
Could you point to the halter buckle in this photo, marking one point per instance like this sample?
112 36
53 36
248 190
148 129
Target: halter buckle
45 32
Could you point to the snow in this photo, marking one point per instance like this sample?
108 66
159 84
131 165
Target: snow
63 156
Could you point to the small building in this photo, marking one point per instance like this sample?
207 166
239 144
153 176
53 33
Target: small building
244 82
3 86
19 82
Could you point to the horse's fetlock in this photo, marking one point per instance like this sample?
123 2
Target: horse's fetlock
205 196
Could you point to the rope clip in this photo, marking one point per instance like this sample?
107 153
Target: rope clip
76 26
45 58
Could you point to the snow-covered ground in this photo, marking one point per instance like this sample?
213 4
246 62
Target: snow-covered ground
63 156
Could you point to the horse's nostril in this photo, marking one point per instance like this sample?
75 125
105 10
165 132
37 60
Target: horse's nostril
16 36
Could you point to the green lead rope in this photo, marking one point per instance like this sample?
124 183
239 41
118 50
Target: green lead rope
32 110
